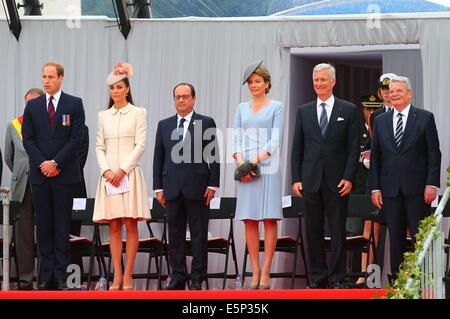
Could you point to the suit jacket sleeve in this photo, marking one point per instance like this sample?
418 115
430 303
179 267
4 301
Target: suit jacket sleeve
375 159
214 158
372 120
433 153
9 148
29 139
70 149
140 139
352 145
84 147
297 150
158 159
100 147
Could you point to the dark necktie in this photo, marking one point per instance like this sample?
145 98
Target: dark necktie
181 129
51 111
323 120
399 130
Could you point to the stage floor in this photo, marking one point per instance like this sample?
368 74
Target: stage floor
204 294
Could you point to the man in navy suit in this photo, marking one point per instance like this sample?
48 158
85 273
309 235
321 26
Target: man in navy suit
52 131
405 166
325 155
186 174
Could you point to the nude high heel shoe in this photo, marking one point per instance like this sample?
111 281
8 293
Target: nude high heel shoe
255 286
128 287
116 287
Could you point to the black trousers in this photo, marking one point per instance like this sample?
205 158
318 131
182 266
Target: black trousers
25 238
402 212
53 208
195 212
323 203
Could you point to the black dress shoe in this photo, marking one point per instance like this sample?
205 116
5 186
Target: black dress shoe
45 285
339 285
61 285
176 285
318 284
196 285
25 285
359 285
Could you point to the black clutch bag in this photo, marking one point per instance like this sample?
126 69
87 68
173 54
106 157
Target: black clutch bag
245 170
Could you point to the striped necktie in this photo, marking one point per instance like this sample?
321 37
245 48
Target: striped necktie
323 119
51 111
399 130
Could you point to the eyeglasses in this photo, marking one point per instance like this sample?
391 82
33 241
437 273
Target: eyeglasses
181 97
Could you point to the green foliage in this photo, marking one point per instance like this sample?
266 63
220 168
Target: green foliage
448 177
410 268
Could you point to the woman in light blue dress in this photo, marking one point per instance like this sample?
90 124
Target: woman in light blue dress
258 129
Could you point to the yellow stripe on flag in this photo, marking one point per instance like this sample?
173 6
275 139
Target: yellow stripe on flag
18 127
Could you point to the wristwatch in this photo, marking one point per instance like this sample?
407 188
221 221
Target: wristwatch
53 161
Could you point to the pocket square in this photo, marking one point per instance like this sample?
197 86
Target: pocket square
340 119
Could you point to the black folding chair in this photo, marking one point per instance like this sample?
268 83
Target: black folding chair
221 244
361 206
156 247
287 244
84 246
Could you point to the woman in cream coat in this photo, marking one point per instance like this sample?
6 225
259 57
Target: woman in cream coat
121 138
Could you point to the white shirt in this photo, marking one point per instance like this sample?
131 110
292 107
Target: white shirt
328 107
186 122
395 118
56 98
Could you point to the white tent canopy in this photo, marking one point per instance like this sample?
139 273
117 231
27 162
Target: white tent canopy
211 54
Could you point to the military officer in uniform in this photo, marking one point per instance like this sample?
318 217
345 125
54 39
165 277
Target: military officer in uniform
356 226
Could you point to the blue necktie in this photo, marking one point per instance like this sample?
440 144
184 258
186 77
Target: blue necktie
399 130
323 123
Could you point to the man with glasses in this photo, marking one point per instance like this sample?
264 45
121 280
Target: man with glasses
185 183
405 167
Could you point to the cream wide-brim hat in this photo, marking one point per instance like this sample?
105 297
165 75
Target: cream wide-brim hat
120 72
114 78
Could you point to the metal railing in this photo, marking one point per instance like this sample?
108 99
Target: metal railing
4 194
431 259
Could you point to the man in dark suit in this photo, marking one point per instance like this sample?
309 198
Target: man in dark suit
52 131
17 160
324 159
186 173
383 93
405 166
